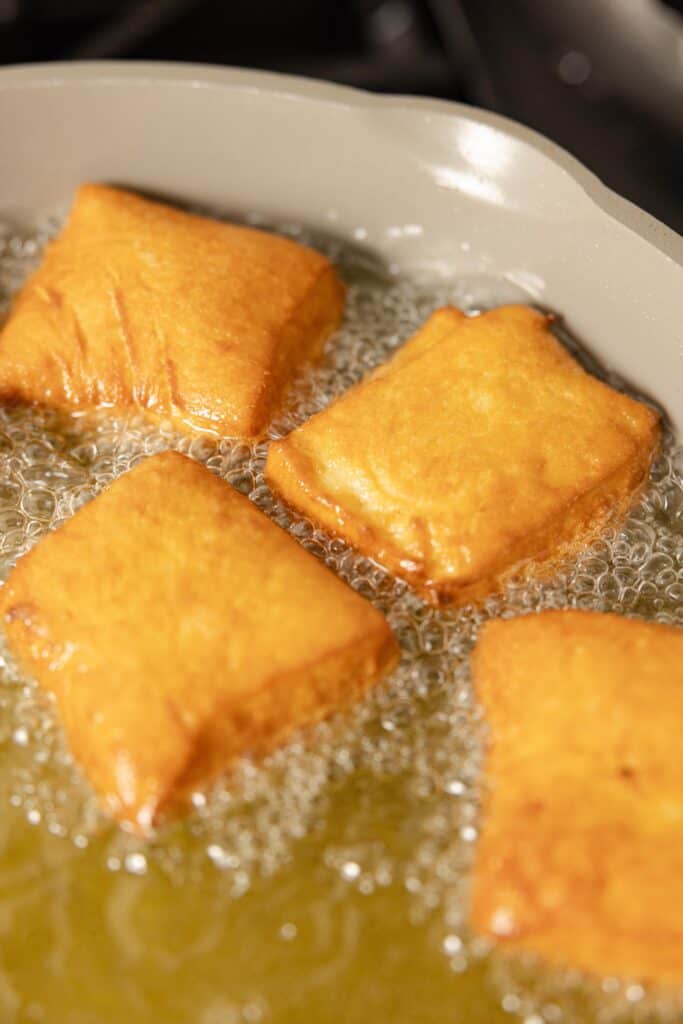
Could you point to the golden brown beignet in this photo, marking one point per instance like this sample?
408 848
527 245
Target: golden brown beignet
140 304
480 447
581 851
179 629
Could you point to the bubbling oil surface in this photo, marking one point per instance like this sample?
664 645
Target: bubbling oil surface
371 817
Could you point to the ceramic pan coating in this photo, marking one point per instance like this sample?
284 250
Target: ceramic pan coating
428 184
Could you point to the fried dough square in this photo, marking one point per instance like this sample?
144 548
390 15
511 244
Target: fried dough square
482 448
178 629
138 304
580 858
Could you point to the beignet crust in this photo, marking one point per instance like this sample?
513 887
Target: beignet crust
179 628
138 304
480 449
580 857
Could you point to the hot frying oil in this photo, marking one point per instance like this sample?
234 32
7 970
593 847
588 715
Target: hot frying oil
329 883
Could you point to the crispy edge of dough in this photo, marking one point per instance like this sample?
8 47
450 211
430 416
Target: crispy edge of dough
301 344
255 725
292 476
622 953
353 669
300 341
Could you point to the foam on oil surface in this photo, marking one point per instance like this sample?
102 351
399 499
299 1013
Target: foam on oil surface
415 744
